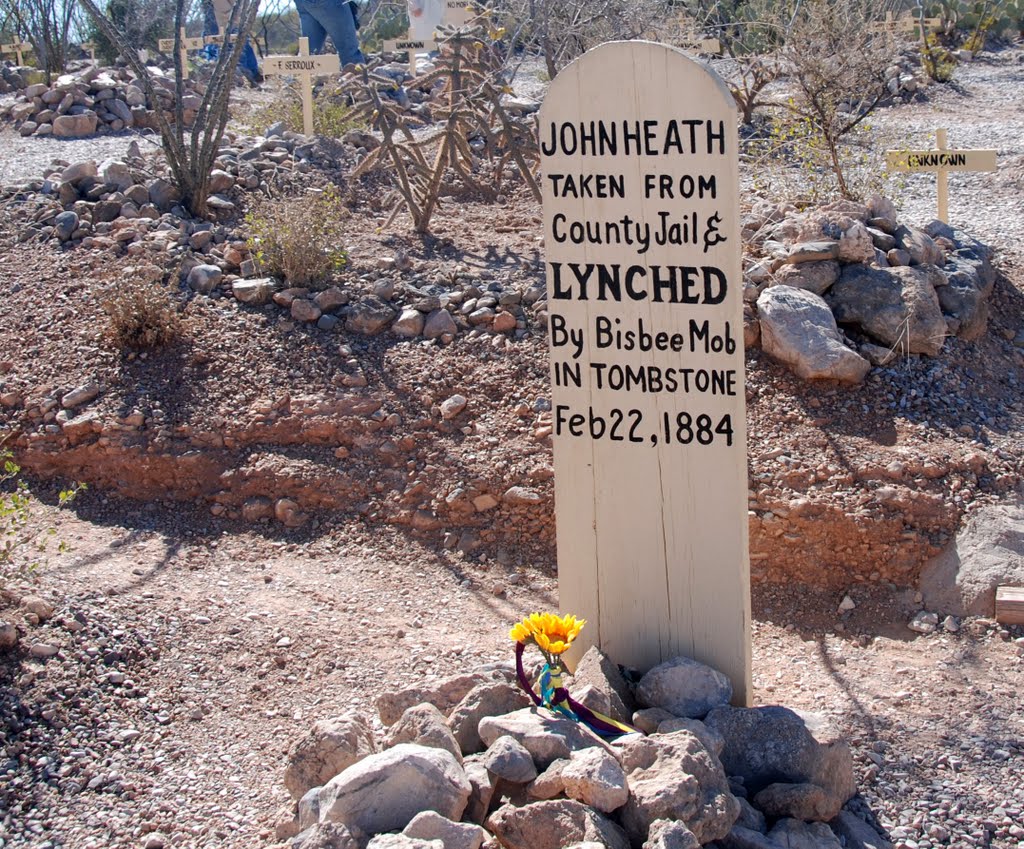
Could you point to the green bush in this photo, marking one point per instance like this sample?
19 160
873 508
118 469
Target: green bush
299 239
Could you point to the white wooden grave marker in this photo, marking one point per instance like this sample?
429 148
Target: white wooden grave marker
941 161
305 67
905 24
411 46
195 43
90 48
457 13
18 48
641 234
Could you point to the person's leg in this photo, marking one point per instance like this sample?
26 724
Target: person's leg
311 27
337 19
210 28
247 62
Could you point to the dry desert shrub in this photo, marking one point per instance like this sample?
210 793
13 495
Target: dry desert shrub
142 314
300 238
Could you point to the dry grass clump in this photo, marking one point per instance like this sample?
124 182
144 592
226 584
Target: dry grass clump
299 239
142 314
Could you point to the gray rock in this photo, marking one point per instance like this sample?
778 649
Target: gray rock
440 323
453 835
547 737
816 277
80 395
924 622
74 126
798 329
425 725
766 745
597 670
856 245
255 291
857 834
409 324
813 251
750 817
897 306
746 838
988 552
451 407
807 802
384 791
489 699
401 841
507 758
649 720
305 310
483 784
793 834
163 195
595 778
675 777
221 181
331 298
669 834
79 171
115 173
964 297
684 687
8 636
327 835
708 736
204 278
553 825
329 747
882 240
922 248
549 783
309 808
65 224
369 316
444 694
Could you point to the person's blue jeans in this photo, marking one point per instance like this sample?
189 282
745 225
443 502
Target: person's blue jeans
247 62
320 18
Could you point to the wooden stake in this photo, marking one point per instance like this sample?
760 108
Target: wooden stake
17 47
90 48
186 44
1010 605
942 179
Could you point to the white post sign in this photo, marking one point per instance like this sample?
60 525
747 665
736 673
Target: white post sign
185 44
457 13
641 236
411 46
16 48
305 67
941 161
905 24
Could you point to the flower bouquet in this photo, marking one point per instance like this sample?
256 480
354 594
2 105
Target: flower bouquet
554 634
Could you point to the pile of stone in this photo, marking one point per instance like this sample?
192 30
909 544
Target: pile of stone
14 78
846 286
468 762
98 100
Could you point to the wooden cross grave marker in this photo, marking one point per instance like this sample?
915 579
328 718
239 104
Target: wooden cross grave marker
305 67
906 24
90 48
941 161
17 47
410 46
195 43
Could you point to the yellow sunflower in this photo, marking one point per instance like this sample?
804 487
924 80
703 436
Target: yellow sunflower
553 634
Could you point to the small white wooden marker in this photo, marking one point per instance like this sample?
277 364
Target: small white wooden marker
410 46
305 67
90 48
457 13
905 24
17 47
642 251
941 161
186 44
